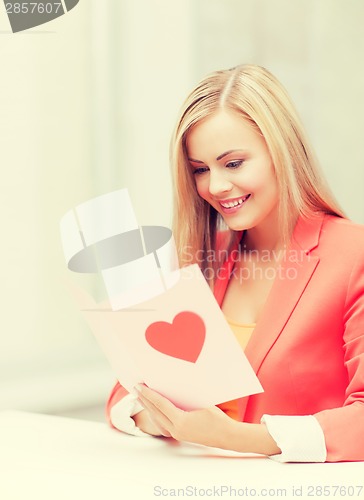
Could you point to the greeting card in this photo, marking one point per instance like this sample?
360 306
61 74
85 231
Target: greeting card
160 325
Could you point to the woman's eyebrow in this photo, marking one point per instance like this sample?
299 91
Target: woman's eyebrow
195 161
220 157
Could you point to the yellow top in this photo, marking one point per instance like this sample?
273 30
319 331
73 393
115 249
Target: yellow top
242 333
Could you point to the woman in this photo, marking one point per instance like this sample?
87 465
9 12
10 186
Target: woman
292 287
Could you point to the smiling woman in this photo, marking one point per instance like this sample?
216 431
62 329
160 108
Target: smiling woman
289 277
253 98
237 177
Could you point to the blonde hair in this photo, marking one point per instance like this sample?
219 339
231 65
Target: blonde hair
258 97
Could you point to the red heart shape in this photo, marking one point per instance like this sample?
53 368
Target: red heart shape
182 339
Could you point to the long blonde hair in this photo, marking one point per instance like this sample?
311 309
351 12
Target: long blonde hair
258 97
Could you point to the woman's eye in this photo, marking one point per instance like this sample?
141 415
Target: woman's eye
234 164
200 170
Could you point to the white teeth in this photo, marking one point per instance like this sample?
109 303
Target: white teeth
235 203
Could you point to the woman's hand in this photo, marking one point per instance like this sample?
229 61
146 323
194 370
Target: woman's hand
210 427
145 422
161 417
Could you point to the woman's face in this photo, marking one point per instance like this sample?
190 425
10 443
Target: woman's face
233 170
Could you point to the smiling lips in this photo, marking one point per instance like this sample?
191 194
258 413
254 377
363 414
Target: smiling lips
231 206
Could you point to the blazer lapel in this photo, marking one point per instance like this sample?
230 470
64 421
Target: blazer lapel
296 269
293 275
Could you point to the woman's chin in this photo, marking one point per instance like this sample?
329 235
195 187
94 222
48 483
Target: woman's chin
236 225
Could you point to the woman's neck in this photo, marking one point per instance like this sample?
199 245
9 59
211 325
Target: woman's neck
264 238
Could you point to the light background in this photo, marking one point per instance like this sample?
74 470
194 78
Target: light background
87 105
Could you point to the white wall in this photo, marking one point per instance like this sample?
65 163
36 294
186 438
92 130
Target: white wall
87 104
46 167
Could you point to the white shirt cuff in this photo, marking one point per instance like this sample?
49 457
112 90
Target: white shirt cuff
300 438
121 413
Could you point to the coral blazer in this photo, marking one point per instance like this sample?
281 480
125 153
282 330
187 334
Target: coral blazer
307 348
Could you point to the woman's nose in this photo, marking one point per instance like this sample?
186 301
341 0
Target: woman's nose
218 183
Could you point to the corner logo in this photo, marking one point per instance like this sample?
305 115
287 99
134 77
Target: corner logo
26 15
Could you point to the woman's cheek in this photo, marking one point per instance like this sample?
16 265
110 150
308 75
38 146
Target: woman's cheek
202 190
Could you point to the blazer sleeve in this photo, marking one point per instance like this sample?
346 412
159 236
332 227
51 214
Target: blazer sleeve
344 427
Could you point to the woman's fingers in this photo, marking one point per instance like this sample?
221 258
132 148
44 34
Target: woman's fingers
157 415
146 423
163 411
158 401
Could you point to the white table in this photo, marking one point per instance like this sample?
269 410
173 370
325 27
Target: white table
55 458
